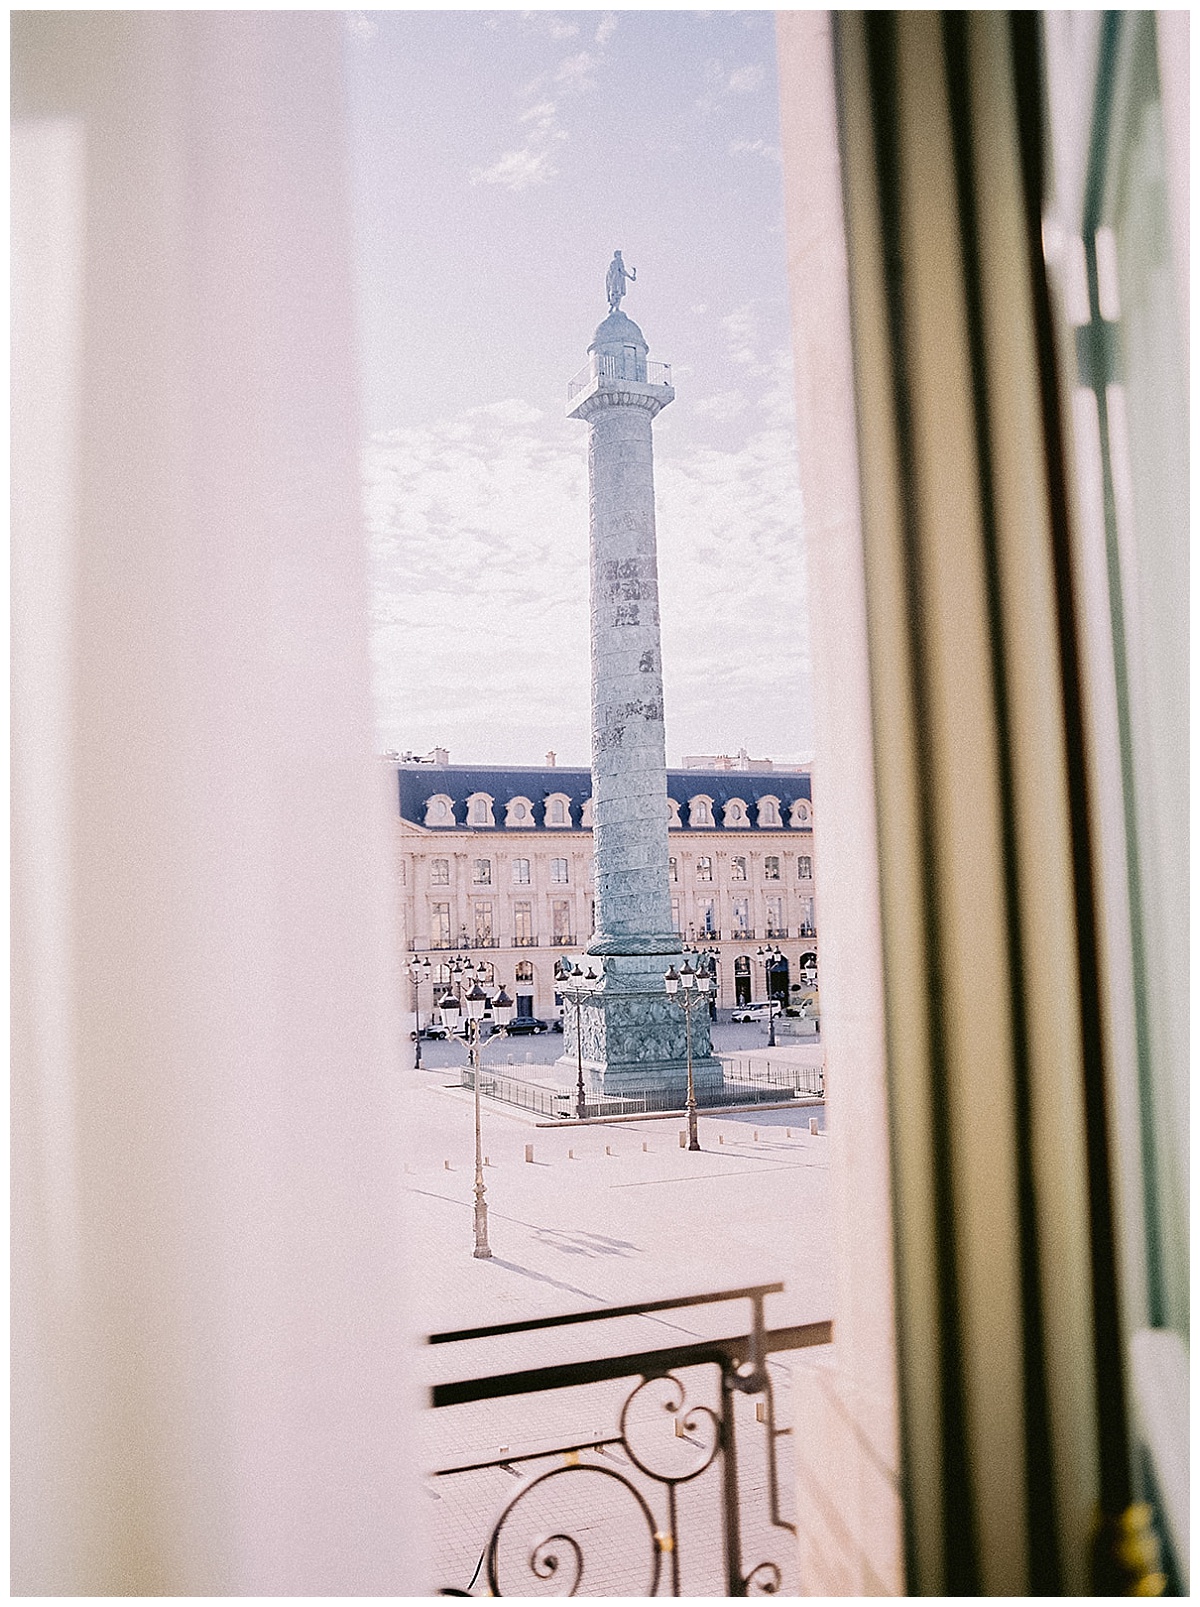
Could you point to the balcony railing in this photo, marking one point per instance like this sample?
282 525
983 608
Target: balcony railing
614 367
806 931
563 940
676 1466
777 931
485 940
524 942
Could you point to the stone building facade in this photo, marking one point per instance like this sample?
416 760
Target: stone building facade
498 861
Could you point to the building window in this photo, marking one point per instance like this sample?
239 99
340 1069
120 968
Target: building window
775 918
560 914
768 812
704 868
483 924
559 870
741 917
700 810
439 873
735 813
518 812
557 811
707 917
524 971
673 869
807 929
592 916
737 868
771 867
479 809
482 874
804 867
520 870
522 925
439 811
586 819
673 813
439 926
801 813
675 915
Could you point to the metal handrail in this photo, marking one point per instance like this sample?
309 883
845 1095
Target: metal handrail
609 367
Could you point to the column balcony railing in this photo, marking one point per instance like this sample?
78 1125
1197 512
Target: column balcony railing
613 367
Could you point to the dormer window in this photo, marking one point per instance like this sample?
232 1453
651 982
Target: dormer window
518 812
586 813
768 812
673 814
700 810
558 810
479 810
734 813
801 814
439 810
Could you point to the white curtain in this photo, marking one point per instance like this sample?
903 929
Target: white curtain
209 1332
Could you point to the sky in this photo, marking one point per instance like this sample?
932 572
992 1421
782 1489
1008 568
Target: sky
498 159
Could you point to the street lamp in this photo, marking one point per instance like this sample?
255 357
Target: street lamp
690 990
770 957
475 1002
419 971
576 994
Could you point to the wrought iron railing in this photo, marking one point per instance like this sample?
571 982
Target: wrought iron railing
524 942
563 940
653 1462
777 931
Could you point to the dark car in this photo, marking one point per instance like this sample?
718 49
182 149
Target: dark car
523 1025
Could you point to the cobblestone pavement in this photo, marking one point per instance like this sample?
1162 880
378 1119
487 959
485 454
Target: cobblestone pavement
606 1215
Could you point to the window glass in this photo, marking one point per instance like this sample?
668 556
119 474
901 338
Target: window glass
482 875
557 812
483 923
559 870
522 924
673 869
520 872
439 926
704 868
439 873
524 971
737 868
771 867
804 867
560 912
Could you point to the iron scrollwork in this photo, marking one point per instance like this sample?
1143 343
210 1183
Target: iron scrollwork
702 1436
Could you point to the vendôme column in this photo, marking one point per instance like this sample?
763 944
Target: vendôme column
633 1036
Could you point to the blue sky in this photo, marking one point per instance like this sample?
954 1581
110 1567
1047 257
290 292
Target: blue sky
498 159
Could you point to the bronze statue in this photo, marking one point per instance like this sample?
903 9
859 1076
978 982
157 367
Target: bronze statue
615 281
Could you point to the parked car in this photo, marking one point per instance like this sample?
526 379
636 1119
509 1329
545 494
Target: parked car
759 1011
433 1030
556 1025
523 1025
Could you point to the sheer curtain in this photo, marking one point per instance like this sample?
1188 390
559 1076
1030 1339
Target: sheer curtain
209 1378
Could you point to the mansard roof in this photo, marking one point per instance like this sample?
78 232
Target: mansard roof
419 782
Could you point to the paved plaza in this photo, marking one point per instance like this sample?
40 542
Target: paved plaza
603 1215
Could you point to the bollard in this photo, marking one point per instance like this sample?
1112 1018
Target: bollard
756 1135
679 1429
645 1148
683 1140
813 1127
608 1149
446 1164
487 1160
760 1411
720 1138
529 1152
570 1154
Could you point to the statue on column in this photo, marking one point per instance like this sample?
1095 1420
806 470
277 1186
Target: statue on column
617 278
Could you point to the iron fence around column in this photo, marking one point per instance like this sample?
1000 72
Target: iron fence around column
745 1083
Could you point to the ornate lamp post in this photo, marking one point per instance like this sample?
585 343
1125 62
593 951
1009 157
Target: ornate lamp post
577 993
419 971
475 1002
689 989
769 956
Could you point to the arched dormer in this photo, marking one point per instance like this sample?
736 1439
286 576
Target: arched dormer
673 814
479 809
557 811
735 813
518 812
801 815
768 811
586 814
700 810
439 810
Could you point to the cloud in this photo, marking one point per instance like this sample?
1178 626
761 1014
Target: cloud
722 406
478 527
532 162
744 79
606 28
741 334
360 25
721 84
756 147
